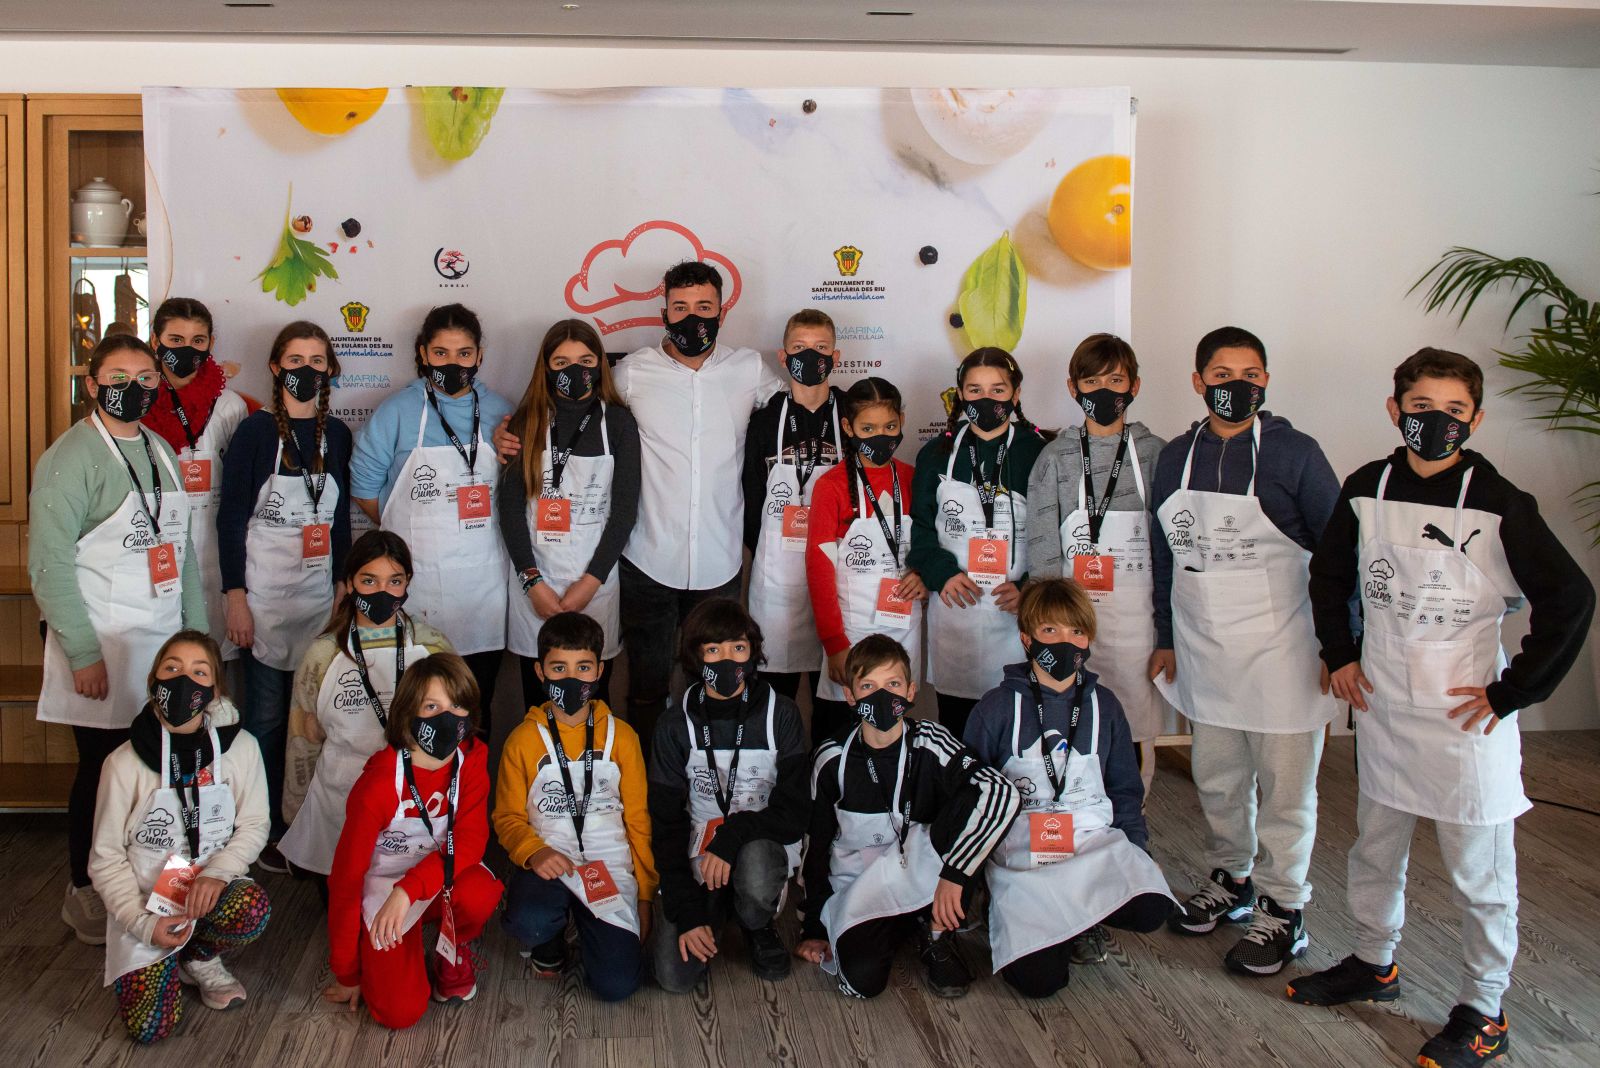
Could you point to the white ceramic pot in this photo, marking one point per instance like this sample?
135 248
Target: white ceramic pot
100 214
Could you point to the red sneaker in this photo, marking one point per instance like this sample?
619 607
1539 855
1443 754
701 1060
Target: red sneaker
455 982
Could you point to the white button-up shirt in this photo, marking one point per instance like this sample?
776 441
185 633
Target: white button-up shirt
690 531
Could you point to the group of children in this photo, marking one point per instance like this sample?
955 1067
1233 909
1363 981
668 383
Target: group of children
1216 574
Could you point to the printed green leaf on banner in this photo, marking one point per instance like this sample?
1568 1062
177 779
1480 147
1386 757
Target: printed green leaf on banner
293 271
994 297
457 117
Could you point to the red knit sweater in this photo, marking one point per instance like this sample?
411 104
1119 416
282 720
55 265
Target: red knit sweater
832 512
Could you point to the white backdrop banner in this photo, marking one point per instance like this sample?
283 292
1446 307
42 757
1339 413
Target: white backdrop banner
925 222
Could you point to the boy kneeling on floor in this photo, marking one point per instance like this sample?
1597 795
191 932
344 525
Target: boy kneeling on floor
902 818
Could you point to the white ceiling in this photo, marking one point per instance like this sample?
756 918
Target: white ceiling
1516 32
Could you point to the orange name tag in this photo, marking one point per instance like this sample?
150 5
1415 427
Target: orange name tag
796 521
706 835
170 895
316 546
892 611
1049 836
1097 574
473 506
196 475
553 519
163 559
987 559
599 888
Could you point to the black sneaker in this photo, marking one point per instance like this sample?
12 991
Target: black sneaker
1469 1038
947 976
1352 979
272 860
1275 937
1222 900
548 959
1088 947
768 958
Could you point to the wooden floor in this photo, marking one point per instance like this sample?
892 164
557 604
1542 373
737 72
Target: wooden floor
1159 1000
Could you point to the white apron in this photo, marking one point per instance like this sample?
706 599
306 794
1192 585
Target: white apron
1241 614
605 834
201 471
129 618
353 733
289 600
402 845
1432 624
968 647
1034 906
460 584
871 877
586 483
779 600
1125 627
160 835
753 782
864 561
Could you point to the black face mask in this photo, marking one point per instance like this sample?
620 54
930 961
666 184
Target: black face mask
879 448
988 414
882 708
1236 400
182 361
1104 406
180 699
808 366
1061 660
128 402
568 694
439 735
379 607
725 676
452 378
574 381
693 335
302 383
1434 435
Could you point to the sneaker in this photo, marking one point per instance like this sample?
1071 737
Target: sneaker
84 912
548 959
272 860
218 988
946 974
768 958
1275 937
1469 1038
455 982
1352 979
1088 947
1222 900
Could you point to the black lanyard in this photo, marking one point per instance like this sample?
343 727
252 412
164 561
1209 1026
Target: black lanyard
470 458
804 468
560 456
138 487
724 800
904 829
987 491
1098 508
892 537
1058 783
190 814
580 811
361 666
448 852
183 418
314 491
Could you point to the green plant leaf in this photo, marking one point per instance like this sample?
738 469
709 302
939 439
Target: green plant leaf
994 297
293 271
457 117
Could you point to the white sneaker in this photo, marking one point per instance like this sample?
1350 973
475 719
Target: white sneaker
218 988
84 912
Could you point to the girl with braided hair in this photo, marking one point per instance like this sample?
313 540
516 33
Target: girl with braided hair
283 530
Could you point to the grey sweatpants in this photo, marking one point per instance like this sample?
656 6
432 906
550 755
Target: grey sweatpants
1482 862
754 895
1229 767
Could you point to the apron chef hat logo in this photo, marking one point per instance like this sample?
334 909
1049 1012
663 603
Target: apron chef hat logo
781 490
274 499
1025 786
160 817
952 508
352 677
425 473
1184 518
861 542
1381 568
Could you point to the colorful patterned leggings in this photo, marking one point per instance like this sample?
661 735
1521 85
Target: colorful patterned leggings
150 998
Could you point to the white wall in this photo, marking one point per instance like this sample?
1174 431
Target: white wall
1297 198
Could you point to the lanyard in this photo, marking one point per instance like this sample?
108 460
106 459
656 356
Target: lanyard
448 853
892 537
987 491
313 490
1058 783
559 456
183 418
361 667
1097 509
724 799
468 458
580 812
138 487
805 467
895 803
189 813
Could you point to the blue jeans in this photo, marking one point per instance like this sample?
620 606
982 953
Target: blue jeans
536 913
264 712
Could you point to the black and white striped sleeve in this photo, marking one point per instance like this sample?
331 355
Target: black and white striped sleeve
975 803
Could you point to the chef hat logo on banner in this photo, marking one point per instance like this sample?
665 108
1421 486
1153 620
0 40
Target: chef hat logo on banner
614 274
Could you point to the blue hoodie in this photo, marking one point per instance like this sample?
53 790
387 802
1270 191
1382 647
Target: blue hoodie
989 735
1294 482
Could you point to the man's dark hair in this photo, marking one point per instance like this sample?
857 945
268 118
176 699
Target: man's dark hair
690 273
